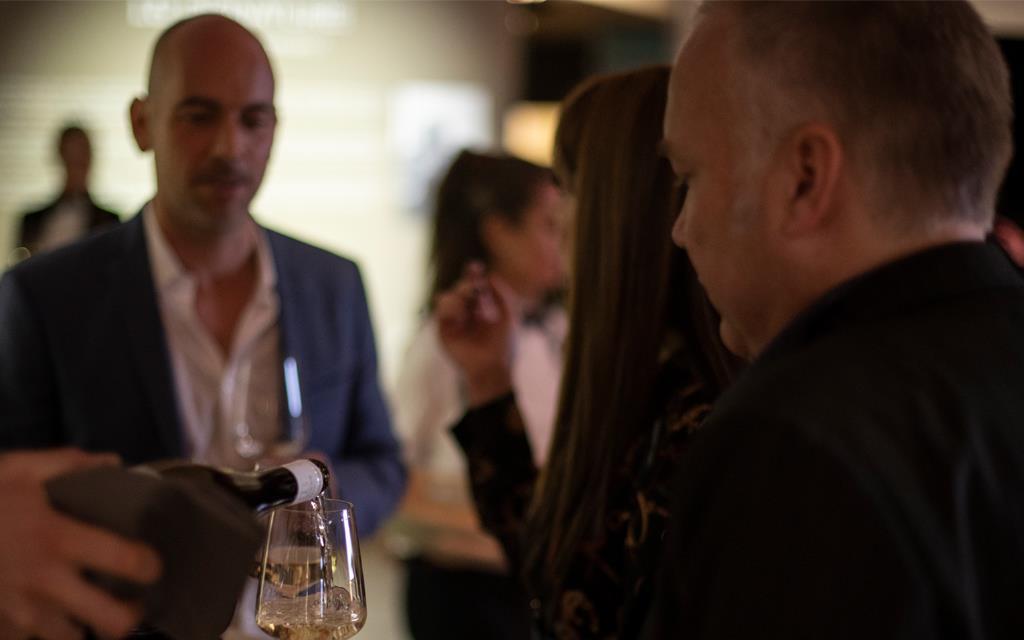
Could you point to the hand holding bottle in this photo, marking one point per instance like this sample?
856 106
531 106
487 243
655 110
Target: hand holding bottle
43 554
475 328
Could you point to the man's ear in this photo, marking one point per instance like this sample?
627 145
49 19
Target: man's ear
138 113
812 163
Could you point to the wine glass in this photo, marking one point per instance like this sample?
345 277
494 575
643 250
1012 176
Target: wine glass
287 443
311 577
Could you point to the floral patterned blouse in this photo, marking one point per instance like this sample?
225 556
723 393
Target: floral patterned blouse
607 589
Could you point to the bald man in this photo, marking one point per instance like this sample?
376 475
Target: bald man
202 335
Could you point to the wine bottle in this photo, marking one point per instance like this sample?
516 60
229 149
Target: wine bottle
299 481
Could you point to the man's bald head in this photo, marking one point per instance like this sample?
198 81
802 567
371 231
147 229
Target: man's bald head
194 30
209 119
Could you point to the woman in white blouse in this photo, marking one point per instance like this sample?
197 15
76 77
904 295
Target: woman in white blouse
509 216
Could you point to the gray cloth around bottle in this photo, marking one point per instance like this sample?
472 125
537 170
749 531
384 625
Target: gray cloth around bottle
205 537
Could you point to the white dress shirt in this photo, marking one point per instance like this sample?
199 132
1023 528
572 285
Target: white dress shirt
227 402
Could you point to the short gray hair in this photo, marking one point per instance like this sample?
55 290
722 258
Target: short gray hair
917 91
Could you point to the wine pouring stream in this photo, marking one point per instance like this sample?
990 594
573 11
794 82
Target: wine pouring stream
311 579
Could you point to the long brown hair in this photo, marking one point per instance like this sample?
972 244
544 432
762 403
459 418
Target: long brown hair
631 289
475 186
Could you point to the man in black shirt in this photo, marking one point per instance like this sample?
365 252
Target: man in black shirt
865 476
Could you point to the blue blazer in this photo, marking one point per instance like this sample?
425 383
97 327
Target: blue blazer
84 360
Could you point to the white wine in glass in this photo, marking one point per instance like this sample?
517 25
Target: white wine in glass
311 578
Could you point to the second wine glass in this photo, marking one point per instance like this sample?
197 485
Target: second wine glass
287 443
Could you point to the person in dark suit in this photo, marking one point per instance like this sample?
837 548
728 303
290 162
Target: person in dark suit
73 214
86 362
192 336
865 477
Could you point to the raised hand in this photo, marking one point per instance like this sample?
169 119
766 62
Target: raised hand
475 327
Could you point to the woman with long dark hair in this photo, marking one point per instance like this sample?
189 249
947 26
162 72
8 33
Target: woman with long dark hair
643 365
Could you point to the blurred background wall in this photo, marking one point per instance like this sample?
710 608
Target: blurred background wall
373 97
